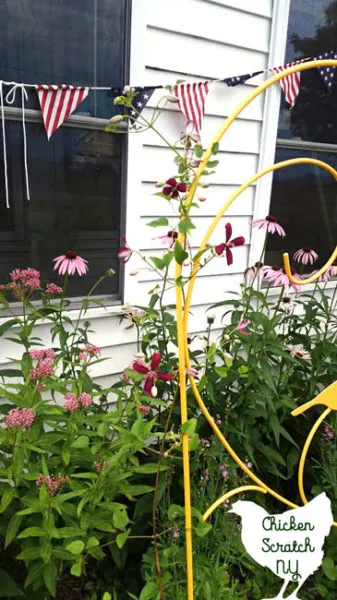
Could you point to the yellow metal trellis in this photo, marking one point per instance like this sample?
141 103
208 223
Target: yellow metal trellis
182 312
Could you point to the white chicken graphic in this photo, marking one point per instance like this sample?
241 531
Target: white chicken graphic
289 544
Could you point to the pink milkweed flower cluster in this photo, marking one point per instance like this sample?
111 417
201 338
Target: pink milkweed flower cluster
72 402
53 289
99 465
204 443
124 253
53 482
224 471
328 434
89 351
70 263
306 256
143 409
173 188
40 354
20 416
45 364
228 244
270 224
29 278
150 372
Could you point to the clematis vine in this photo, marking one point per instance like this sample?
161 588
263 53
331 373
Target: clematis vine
229 244
173 188
150 372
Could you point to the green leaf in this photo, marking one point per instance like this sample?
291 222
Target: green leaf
186 225
30 553
175 511
107 596
179 253
329 569
198 150
161 222
122 537
7 325
50 577
76 569
32 532
92 543
149 468
67 532
202 529
12 528
120 518
45 550
150 591
81 442
189 427
101 524
8 588
158 262
10 373
7 497
134 375
215 148
193 442
212 164
75 547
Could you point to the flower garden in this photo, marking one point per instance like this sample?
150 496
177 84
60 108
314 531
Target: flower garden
91 478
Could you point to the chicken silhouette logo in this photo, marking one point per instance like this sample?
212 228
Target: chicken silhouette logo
289 544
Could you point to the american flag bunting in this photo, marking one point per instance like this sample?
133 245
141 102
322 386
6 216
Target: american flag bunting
327 73
191 101
233 81
290 84
58 102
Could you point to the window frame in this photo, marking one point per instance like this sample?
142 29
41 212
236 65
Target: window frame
92 124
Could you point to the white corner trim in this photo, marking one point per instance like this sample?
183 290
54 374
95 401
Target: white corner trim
135 147
278 38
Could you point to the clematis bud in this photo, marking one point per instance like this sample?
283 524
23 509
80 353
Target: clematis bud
204 184
139 355
201 198
133 273
154 391
227 337
116 119
160 184
127 89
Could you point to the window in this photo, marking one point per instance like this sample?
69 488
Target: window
76 179
304 198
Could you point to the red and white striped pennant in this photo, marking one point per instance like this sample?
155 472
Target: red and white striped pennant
58 102
191 101
290 84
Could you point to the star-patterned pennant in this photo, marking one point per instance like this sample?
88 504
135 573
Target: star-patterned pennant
232 81
327 73
140 100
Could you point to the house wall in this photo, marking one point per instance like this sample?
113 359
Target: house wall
192 40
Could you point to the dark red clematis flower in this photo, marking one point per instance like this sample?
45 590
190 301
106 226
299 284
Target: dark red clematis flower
125 252
150 372
228 244
173 188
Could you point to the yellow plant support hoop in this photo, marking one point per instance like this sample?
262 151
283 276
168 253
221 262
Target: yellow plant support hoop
182 312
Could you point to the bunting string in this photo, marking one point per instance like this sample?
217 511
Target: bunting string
59 101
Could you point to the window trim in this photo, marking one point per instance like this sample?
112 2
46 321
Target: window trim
278 39
96 124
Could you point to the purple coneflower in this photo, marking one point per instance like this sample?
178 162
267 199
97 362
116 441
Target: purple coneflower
255 272
305 256
228 244
168 239
278 276
270 224
298 351
70 263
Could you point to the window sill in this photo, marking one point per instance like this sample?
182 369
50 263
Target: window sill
93 312
329 285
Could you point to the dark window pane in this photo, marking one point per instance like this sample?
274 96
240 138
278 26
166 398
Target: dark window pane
75 203
312 30
304 200
79 42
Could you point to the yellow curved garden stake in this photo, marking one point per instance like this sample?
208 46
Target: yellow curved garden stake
182 310
314 277
328 398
